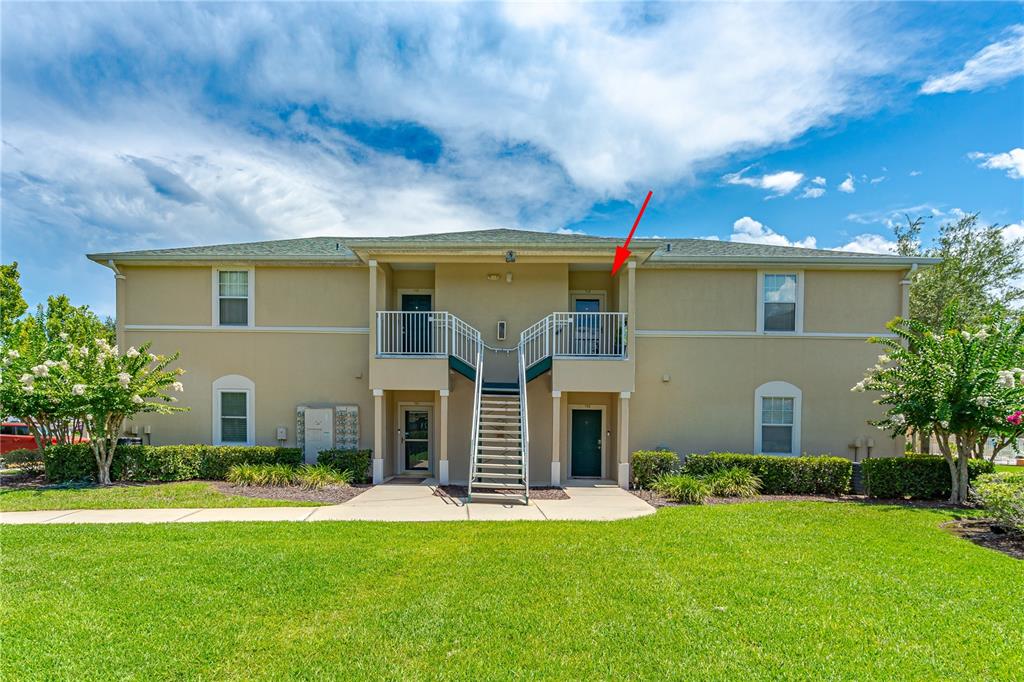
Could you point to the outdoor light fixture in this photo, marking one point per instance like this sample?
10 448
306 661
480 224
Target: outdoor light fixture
508 277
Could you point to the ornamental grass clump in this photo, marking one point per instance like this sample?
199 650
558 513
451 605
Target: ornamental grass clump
310 477
734 482
315 477
682 488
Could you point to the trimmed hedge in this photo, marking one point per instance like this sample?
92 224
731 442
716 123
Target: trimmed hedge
141 463
780 475
356 461
917 477
649 465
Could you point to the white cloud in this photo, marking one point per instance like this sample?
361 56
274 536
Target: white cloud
820 181
869 243
147 125
1013 232
813 193
994 64
914 173
875 181
1012 162
847 185
777 184
750 231
896 216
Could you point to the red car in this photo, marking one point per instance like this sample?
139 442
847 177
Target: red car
15 436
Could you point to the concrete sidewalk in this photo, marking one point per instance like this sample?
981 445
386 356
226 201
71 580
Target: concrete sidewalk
590 501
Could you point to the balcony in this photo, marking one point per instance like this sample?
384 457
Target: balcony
441 337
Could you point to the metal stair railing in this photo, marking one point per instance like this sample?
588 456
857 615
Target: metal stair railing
478 387
524 425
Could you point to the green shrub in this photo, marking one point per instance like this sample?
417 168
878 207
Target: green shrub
141 463
649 465
917 477
734 482
356 461
780 475
1002 495
682 488
22 456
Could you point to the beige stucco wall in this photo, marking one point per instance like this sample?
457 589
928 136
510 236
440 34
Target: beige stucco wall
709 402
850 300
409 373
704 299
288 369
283 296
536 290
311 297
168 295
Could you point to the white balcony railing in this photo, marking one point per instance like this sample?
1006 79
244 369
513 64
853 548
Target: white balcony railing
437 333
576 335
559 335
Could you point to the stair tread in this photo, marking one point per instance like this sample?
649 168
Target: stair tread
503 486
521 499
486 456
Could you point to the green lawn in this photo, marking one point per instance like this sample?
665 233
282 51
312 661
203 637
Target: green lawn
1009 468
750 591
162 495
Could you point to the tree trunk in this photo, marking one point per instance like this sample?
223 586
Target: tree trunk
954 487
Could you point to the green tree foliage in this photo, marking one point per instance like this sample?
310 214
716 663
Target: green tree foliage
976 273
962 384
12 304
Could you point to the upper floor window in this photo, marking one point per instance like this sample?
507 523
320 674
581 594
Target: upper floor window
780 302
777 418
233 298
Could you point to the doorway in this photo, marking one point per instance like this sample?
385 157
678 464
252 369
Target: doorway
586 443
414 438
416 328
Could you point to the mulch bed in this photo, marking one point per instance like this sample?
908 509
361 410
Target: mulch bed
329 494
459 492
29 478
987 533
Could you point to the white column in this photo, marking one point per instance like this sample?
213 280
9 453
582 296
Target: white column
378 435
442 445
556 439
624 440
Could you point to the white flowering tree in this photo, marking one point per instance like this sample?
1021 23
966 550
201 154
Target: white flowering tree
962 385
107 387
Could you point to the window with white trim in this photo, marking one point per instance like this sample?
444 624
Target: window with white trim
777 419
780 302
234 416
234 397
233 298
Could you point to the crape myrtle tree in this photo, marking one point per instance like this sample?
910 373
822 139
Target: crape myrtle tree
110 387
965 385
35 344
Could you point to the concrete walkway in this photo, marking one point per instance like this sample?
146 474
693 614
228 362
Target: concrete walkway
588 501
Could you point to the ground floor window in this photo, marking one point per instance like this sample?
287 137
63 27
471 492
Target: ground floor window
777 419
233 399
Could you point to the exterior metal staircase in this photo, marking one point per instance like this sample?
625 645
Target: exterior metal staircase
500 465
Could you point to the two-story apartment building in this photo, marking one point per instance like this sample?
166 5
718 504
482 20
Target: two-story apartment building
508 358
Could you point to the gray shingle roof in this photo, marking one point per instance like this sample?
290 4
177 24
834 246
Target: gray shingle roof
343 249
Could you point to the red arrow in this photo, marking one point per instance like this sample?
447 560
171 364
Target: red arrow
622 253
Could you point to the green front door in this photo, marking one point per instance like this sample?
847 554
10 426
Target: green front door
586 443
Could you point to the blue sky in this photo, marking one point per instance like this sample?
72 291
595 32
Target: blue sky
145 125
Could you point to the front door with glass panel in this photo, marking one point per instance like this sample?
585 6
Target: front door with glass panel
416 327
587 327
415 440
